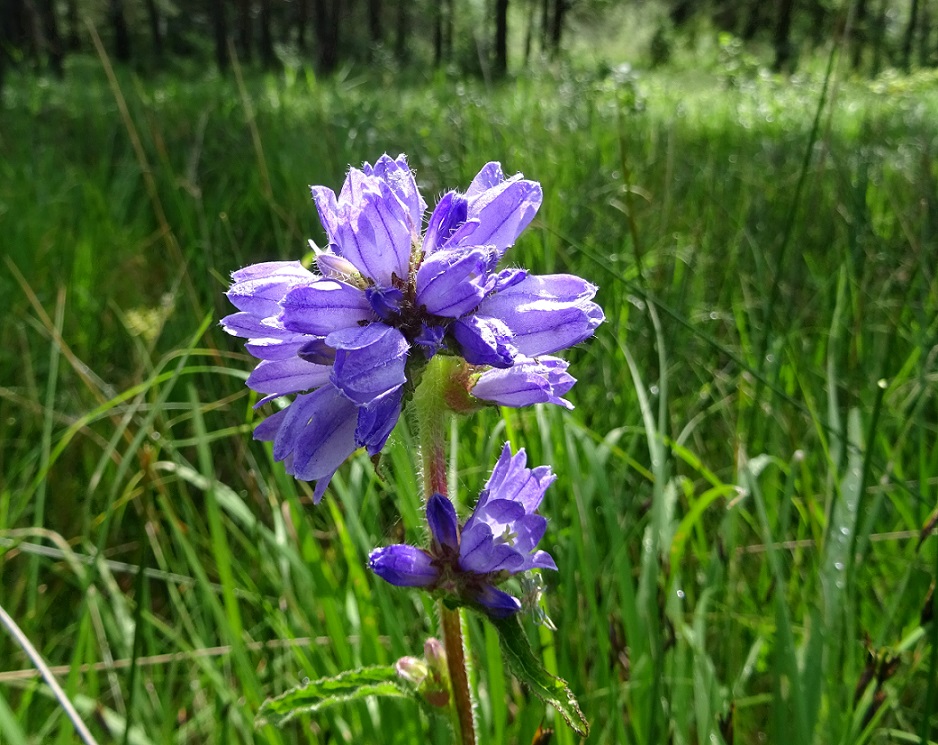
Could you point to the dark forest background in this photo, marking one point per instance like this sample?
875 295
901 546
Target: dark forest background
472 36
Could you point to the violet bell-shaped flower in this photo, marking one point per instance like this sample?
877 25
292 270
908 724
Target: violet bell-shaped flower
346 340
465 563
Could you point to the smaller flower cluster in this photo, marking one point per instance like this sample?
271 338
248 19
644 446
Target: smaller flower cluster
465 563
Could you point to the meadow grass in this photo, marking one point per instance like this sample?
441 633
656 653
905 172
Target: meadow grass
742 486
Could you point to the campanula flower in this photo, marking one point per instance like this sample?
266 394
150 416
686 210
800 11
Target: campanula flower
466 562
389 294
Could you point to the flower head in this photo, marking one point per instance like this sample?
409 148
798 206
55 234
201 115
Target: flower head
386 297
467 562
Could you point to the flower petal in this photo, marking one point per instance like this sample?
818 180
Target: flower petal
267 430
319 433
546 313
275 349
484 340
453 283
511 480
499 513
542 560
332 266
448 215
252 326
377 235
482 553
291 375
488 177
501 557
430 339
444 526
323 307
369 361
496 603
400 179
258 289
544 380
316 350
385 301
403 565
502 207
528 532
376 422
328 208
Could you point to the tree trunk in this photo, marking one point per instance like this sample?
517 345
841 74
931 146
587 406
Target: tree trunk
326 18
302 20
909 36
121 32
374 22
220 27
438 34
72 38
501 38
879 35
924 41
556 26
442 31
545 26
51 38
529 31
681 12
156 34
268 59
403 31
13 35
819 15
755 20
726 17
448 30
782 40
860 33
244 30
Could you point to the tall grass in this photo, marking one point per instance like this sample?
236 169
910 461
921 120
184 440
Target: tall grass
742 485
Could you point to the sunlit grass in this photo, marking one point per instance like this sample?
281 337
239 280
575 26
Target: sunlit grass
741 487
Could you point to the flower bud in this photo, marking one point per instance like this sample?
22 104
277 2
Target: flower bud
412 669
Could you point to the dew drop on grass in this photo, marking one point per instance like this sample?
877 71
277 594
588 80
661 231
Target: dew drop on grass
680 594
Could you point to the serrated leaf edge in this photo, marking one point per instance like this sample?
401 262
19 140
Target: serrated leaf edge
509 629
384 681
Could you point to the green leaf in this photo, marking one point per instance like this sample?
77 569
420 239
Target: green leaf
531 672
350 685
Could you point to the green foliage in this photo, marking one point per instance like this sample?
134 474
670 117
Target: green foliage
529 670
742 408
314 695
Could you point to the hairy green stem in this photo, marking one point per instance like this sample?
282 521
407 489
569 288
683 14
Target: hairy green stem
431 418
458 677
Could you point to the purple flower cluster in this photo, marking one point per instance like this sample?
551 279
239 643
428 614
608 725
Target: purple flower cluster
465 563
343 338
